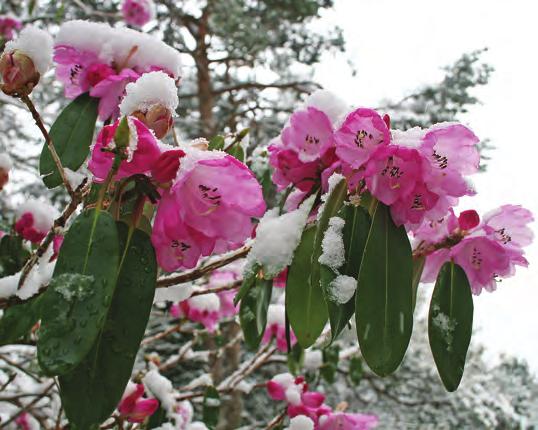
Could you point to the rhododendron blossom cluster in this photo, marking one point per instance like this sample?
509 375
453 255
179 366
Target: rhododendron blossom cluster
310 404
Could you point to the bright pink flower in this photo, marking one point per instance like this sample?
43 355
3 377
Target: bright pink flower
73 69
345 421
137 12
468 219
133 407
362 132
276 328
23 421
7 27
204 309
280 280
110 91
34 220
143 151
165 168
208 209
286 387
57 242
415 206
393 172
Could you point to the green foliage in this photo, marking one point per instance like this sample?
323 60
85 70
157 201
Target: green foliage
305 305
253 311
17 320
13 255
211 407
79 295
71 135
330 363
384 298
356 370
92 390
418 268
450 323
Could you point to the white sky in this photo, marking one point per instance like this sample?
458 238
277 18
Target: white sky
397 45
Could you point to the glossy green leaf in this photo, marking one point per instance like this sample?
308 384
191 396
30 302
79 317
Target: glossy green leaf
354 233
384 298
305 305
17 320
253 311
418 268
71 135
77 300
92 390
13 255
211 407
237 151
248 282
216 143
450 323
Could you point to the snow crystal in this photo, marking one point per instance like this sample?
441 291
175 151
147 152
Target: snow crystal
150 89
115 44
342 288
8 285
276 314
43 213
313 359
333 181
74 178
206 302
301 422
36 44
277 237
161 388
333 106
446 325
194 155
332 245
176 293
5 162
411 138
244 386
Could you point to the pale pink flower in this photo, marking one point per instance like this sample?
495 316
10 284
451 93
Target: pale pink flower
204 309
362 132
209 208
276 328
137 12
110 92
8 25
143 151
222 278
347 421
509 225
133 407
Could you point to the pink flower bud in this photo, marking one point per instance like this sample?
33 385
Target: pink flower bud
468 219
19 74
165 168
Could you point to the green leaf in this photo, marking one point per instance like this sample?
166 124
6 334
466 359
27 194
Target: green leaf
253 311
418 268
216 143
330 363
384 298
211 407
93 389
71 135
157 419
248 282
17 320
355 370
77 300
237 151
305 305
13 255
354 233
122 134
450 323
295 359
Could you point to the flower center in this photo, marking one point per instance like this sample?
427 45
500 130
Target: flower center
361 136
210 195
417 203
182 245
476 259
441 160
504 236
311 140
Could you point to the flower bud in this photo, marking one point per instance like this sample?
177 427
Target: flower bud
468 219
165 168
200 143
159 119
18 72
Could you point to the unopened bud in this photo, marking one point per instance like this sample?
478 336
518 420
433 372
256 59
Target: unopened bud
200 143
468 219
19 74
157 118
165 168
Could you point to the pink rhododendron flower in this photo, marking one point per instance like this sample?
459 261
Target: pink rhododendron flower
346 421
57 242
204 309
362 132
110 91
208 209
7 27
164 170
487 251
34 220
276 327
133 407
137 12
143 151
223 278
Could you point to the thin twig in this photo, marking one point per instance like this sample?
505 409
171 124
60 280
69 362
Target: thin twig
276 420
27 407
37 118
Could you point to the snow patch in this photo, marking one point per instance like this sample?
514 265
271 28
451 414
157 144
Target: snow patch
205 302
176 293
161 388
342 288
333 106
333 251
301 422
36 44
154 88
5 162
